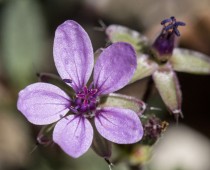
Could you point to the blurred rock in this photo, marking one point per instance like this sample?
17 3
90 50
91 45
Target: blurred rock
181 148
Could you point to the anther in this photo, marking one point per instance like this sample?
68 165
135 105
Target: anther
172 24
165 21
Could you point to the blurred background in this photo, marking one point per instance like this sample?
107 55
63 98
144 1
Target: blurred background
26 37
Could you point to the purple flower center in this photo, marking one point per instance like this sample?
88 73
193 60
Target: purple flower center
85 101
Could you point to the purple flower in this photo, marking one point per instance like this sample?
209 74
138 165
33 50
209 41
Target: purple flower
43 103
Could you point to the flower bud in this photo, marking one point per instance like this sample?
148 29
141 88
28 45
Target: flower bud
165 42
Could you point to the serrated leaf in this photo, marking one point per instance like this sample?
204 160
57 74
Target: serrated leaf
123 101
168 86
190 61
118 33
145 67
23 41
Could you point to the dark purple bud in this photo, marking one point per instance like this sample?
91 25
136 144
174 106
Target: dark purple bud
165 42
163 46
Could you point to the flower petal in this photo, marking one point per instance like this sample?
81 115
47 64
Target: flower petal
43 103
114 67
73 53
118 125
74 134
189 61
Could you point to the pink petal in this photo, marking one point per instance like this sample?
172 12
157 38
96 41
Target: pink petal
118 125
74 134
43 103
73 53
114 67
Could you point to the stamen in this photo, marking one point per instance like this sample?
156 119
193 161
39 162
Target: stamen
85 90
93 91
80 95
165 21
86 100
179 23
172 24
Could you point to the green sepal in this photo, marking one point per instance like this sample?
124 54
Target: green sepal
45 135
100 145
190 61
97 53
168 86
123 101
118 33
145 67
55 80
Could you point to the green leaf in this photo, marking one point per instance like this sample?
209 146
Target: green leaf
168 86
23 38
118 33
123 101
145 67
189 61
